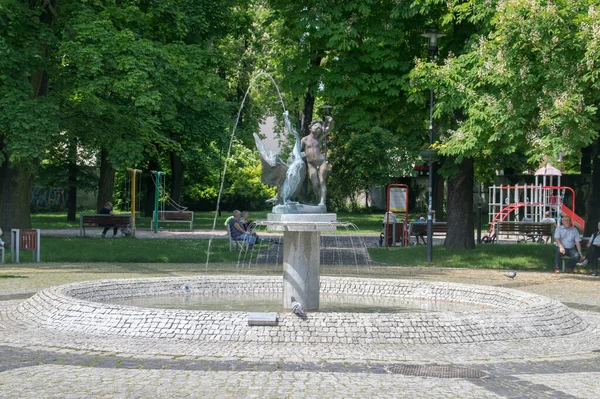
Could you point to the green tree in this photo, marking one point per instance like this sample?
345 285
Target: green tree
355 55
517 88
28 114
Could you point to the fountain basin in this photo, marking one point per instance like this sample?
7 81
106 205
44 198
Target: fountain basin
509 314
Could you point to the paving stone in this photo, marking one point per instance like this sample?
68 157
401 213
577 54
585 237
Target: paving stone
39 360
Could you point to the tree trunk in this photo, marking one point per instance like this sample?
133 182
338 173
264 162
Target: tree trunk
438 193
72 179
586 159
307 111
460 208
592 210
177 173
16 182
309 99
148 183
106 184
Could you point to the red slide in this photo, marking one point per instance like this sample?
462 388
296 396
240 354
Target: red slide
577 221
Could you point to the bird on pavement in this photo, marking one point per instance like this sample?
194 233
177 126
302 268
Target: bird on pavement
511 275
297 308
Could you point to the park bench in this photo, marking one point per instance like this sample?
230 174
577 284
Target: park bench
96 220
419 229
175 217
526 231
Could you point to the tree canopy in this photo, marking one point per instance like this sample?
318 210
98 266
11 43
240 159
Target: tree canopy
157 84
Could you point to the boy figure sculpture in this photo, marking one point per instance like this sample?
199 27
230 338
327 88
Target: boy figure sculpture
315 159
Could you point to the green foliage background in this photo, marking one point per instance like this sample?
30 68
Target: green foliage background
153 83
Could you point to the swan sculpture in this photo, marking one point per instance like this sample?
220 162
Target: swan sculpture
288 177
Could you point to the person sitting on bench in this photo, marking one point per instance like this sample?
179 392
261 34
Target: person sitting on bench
107 210
593 252
568 243
548 219
421 235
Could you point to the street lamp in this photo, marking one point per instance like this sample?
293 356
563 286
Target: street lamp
433 36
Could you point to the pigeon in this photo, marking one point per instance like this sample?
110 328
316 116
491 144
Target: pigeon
511 275
297 308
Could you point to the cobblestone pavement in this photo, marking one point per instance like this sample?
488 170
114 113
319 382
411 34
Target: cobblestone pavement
39 363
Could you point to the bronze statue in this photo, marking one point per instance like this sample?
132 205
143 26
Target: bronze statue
288 177
307 154
316 157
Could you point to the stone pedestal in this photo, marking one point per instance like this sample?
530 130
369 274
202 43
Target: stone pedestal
301 268
301 255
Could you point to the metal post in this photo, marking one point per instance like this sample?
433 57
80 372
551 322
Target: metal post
430 189
432 35
478 213
156 195
133 172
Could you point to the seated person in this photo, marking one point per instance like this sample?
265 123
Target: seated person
548 219
388 219
593 252
107 210
568 243
237 230
245 222
421 235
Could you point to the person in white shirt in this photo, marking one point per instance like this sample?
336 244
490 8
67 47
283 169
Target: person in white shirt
568 243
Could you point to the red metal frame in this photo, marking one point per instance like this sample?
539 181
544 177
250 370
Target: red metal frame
504 212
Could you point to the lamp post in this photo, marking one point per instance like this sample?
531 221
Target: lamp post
433 36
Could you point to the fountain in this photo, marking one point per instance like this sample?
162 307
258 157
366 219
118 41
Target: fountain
502 314
301 223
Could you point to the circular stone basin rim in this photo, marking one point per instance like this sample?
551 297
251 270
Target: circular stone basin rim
78 307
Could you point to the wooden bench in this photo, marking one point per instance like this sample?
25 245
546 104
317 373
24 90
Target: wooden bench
530 231
174 217
419 229
95 220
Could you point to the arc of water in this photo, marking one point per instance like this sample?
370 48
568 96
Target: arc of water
229 151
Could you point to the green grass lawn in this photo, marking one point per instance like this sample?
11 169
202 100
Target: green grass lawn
194 251
124 250
56 249
489 256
